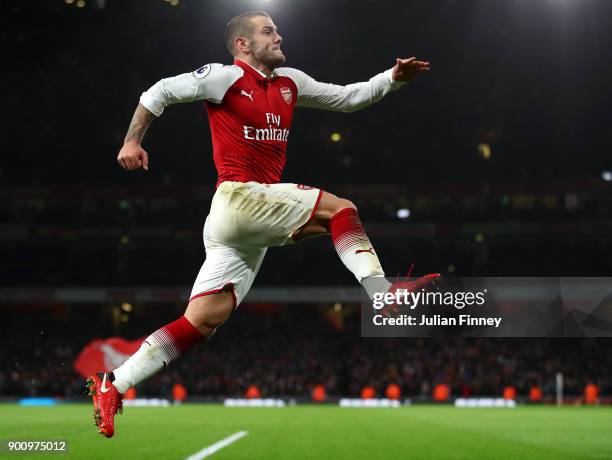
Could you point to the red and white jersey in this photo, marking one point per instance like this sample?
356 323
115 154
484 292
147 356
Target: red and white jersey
250 113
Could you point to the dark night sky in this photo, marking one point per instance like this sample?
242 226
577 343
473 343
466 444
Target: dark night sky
532 78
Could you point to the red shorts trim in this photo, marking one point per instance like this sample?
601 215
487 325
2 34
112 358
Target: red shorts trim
216 291
312 214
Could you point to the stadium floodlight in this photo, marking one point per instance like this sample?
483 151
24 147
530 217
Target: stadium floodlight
484 150
403 213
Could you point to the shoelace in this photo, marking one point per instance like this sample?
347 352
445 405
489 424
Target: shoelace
407 274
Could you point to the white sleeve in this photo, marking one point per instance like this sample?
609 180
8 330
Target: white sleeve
349 98
209 82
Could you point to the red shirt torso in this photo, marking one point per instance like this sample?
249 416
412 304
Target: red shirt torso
250 127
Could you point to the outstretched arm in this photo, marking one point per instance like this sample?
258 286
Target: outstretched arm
350 98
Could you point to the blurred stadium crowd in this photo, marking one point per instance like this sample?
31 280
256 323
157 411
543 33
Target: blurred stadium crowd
49 236
287 351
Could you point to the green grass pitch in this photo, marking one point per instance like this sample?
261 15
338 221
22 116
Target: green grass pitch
321 432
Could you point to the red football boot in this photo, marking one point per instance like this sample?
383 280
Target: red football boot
107 403
424 282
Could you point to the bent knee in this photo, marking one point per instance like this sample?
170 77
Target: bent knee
330 206
340 204
345 204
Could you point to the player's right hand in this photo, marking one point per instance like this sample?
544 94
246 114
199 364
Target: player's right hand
132 156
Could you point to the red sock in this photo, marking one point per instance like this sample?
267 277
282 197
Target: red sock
157 351
353 245
177 337
347 231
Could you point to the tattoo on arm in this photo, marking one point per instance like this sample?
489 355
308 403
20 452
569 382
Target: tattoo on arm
140 123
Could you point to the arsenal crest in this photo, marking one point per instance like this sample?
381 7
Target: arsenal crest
286 93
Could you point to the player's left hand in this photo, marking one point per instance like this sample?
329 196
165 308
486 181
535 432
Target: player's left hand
406 69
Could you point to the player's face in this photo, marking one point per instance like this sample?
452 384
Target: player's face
266 42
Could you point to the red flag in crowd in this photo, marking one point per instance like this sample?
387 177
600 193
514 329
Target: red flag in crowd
104 355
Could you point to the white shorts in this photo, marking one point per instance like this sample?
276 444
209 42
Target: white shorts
244 220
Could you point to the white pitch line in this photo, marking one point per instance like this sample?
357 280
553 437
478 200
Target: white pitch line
207 451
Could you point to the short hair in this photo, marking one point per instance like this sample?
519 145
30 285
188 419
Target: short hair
240 26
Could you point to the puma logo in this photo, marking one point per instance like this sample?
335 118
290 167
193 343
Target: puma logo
371 251
249 95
